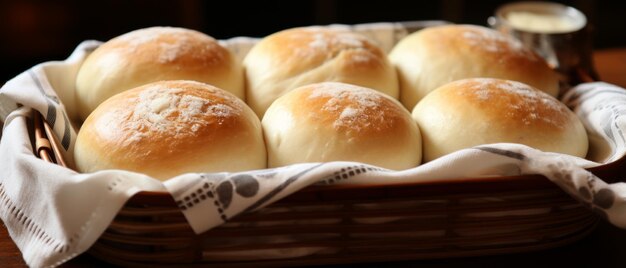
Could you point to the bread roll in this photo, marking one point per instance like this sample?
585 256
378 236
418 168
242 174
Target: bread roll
340 122
168 128
471 112
432 57
154 54
300 56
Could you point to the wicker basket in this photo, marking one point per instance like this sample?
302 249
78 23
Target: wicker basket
347 224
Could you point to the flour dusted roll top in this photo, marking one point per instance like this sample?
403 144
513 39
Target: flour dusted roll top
295 57
169 128
430 58
154 54
340 122
471 112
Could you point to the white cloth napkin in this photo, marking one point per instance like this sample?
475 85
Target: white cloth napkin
54 213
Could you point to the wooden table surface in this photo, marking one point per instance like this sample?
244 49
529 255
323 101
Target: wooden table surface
604 247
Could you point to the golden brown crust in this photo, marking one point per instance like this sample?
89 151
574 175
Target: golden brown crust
512 104
177 47
170 130
154 54
355 111
438 55
296 57
167 126
503 53
476 39
308 47
333 121
477 111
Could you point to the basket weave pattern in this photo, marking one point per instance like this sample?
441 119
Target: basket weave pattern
330 224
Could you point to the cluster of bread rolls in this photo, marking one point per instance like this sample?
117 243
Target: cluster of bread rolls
165 101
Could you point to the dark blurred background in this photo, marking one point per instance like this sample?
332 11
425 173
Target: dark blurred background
33 31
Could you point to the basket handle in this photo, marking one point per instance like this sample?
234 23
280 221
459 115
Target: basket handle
46 145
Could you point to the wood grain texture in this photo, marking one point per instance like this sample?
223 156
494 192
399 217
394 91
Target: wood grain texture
9 253
611 65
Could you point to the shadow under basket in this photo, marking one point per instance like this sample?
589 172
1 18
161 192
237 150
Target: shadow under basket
349 224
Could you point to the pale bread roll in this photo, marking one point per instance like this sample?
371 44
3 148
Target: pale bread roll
430 58
169 128
340 122
471 112
154 54
296 57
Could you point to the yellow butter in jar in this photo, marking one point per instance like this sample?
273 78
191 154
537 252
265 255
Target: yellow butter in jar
542 22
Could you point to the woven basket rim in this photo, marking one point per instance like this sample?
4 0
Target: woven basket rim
608 172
